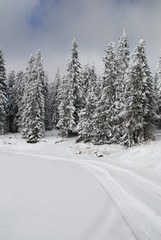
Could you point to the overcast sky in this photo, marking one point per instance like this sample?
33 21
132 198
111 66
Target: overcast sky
51 25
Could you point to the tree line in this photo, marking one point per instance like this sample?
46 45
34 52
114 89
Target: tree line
122 105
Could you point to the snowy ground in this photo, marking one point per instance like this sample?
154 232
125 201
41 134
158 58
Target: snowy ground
62 190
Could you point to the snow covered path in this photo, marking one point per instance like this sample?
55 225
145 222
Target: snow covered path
56 199
143 220
125 200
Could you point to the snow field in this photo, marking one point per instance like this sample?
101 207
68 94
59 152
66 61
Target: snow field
57 189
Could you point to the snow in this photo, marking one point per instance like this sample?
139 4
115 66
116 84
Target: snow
59 189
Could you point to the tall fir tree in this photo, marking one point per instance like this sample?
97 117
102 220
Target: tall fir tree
157 85
20 88
99 86
12 103
73 76
43 79
3 95
26 98
54 99
122 61
33 115
123 54
157 92
66 123
138 99
103 124
85 125
75 92
89 78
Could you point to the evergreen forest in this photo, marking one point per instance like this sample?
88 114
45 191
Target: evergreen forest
121 106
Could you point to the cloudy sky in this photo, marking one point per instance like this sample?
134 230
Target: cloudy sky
51 25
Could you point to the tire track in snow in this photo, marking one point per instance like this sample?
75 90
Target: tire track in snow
142 221
141 181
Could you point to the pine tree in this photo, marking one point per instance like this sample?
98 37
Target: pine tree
47 105
85 125
20 88
50 105
156 91
36 122
99 84
26 98
3 95
12 103
54 99
138 99
123 54
66 123
158 71
71 97
44 84
89 79
33 116
73 76
104 115
121 65
157 85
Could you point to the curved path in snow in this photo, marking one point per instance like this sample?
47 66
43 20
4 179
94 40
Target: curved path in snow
143 221
136 198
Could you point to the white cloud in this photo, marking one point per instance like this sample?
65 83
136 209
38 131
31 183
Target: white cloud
50 25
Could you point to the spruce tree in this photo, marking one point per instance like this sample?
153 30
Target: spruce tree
43 81
12 103
71 97
85 125
54 99
138 99
157 92
89 79
26 99
20 88
99 86
123 54
157 86
33 116
66 123
3 95
103 120
157 100
121 65
50 105
75 82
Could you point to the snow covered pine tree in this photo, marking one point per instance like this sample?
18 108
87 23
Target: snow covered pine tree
85 125
139 99
12 103
71 97
54 100
20 88
33 116
157 90
122 61
3 95
103 120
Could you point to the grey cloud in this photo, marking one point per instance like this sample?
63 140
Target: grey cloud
95 23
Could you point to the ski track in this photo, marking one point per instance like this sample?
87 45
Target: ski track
143 222
141 181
